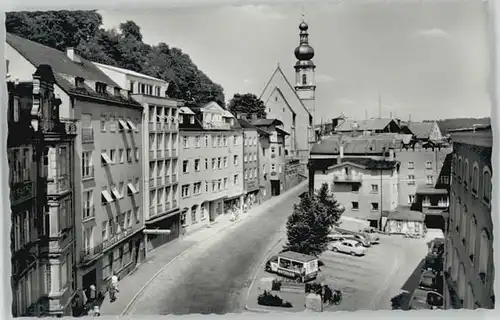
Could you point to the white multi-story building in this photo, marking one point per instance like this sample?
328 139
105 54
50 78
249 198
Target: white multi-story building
160 132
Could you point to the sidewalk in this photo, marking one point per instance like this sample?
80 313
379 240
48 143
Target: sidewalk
157 260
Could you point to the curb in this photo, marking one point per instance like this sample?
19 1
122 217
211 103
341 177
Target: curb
141 290
260 265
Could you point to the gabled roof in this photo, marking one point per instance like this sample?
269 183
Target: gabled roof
421 130
185 110
66 70
266 122
210 106
39 54
364 145
280 72
403 213
367 163
364 125
129 72
247 125
284 99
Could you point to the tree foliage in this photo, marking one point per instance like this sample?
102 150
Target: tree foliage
247 103
121 48
309 224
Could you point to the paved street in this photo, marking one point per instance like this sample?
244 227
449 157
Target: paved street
211 277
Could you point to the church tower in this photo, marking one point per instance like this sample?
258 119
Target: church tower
305 84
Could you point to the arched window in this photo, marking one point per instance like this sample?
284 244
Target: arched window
475 178
304 79
458 213
466 173
486 185
459 172
484 254
463 224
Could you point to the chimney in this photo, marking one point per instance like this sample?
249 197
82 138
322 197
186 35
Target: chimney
72 55
341 151
254 116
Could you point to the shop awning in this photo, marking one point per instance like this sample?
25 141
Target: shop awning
107 197
131 125
231 198
106 158
123 124
132 188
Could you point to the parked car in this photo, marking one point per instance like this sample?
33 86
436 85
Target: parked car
374 238
336 237
352 247
361 238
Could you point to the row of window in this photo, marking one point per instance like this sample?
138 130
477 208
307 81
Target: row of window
355 206
117 259
112 157
250 173
119 224
217 163
159 140
161 195
429 180
217 185
157 168
194 214
146 89
20 160
24 228
217 141
107 196
250 157
428 165
113 124
479 182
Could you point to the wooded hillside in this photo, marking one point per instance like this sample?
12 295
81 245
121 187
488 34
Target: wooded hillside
122 48
449 124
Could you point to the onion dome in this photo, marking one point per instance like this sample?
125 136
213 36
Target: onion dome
304 51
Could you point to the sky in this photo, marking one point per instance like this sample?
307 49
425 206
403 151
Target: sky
425 60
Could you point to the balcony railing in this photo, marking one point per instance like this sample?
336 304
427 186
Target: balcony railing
151 182
21 192
88 212
152 127
88 172
62 126
158 182
60 184
115 238
439 205
167 179
152 155
174 178
348 178
174 204
88 254
159 155
87 135
160 207
152 211
167 206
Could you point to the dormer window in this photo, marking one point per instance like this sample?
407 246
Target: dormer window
79 82
116 91
100 87
191 119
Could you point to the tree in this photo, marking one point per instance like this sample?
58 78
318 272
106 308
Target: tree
124 48
332 209
247 103
307 227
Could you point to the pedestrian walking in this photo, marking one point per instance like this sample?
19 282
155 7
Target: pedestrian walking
114 287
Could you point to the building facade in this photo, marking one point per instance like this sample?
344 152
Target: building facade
211 158
276 158
160 141
469 262
40 148
107 163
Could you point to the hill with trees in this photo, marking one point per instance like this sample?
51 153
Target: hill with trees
121 48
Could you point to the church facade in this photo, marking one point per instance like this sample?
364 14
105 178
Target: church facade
294 104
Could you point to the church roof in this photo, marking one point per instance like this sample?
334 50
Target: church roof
279 71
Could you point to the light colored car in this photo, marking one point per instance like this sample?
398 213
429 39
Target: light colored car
352 247
336 237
